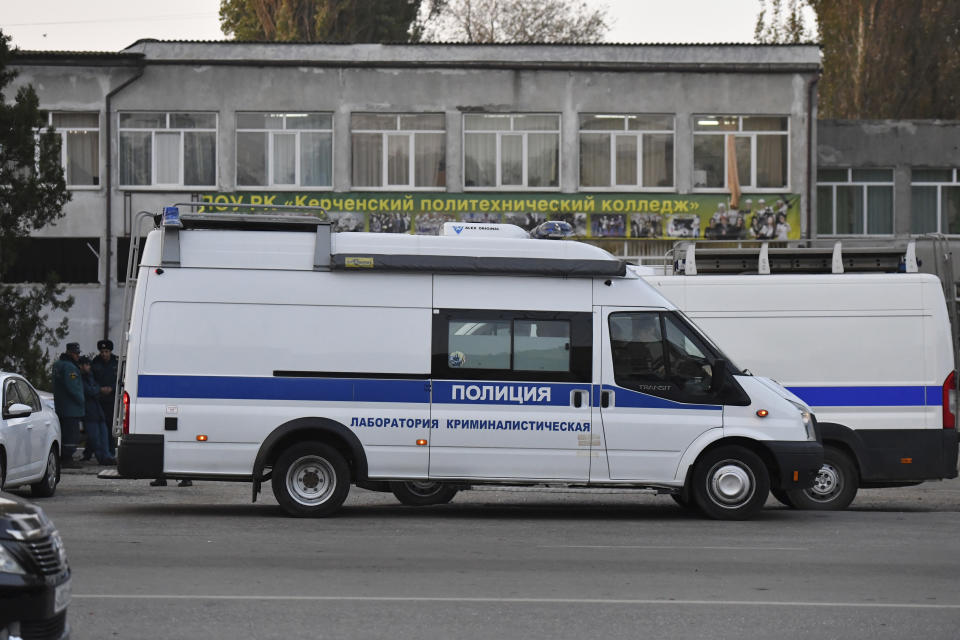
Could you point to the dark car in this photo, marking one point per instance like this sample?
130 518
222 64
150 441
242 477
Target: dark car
34 574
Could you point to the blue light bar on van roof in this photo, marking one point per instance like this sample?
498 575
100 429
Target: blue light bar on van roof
552 230
171 217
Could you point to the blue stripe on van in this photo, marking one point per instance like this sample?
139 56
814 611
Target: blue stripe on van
869 396
316 389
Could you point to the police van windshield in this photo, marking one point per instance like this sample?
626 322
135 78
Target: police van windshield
718 352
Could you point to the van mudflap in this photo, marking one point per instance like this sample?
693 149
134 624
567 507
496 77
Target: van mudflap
797 463
140 456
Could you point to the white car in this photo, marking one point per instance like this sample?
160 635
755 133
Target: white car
29 438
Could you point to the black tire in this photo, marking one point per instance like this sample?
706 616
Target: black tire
47 485
3 469
310 480
782 497
684 501
423 493
730 483
835 487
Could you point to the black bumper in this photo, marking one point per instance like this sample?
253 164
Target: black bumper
140 456
29 600
797 463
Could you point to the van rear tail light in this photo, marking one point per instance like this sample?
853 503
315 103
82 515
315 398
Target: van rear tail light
126 413
950 401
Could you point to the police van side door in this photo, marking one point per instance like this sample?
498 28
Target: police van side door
655 396
511 394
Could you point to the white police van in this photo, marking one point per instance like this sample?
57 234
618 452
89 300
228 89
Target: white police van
870 352
268 348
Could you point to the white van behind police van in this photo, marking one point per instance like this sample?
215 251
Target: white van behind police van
268 348
870 352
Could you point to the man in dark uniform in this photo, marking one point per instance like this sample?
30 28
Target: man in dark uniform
68 401
104 369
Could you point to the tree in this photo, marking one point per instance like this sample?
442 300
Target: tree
32 195
881 58
566 21
320 20
776 25
886 59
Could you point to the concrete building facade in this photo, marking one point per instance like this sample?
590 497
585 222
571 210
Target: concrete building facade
636 145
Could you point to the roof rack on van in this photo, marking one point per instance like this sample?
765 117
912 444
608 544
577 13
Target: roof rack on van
689 259
171 221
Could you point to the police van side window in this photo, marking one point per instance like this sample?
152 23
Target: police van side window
654 354
479 345
512 345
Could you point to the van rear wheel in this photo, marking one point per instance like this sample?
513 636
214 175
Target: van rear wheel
730 483
423 493
835 486
310 480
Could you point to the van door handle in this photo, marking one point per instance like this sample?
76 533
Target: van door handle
604 399
578 399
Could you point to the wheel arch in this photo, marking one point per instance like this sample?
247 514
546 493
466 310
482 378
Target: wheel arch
324 430
846 440
689 461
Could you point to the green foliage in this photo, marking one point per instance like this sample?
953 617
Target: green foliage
885 59
32 195
777 24
487 21
319 20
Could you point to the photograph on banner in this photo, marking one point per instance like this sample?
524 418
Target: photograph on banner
766 216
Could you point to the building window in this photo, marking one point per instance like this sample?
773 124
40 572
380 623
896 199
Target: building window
935 201
855 202
758 157
79 146
632 151
284 150
511 151
168 149
398 150
69 260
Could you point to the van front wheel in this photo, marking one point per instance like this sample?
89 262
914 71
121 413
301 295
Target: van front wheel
310 480
835 487
423 493
730 483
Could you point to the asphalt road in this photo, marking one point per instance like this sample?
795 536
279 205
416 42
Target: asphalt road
203 562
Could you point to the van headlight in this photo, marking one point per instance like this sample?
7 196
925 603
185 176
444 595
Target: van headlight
807 418
9 564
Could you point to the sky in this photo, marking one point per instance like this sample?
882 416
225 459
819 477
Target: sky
111 25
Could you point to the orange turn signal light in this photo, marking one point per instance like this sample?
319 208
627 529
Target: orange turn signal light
201 438
762 413
421 442
796 476
906 460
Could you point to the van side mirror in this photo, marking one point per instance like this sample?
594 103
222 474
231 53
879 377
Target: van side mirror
720 376
17 410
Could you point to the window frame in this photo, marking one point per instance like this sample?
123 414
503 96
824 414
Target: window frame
863 185
154 185
62 134
271 185
954 183
524 150
712 355
741 133
638 134
411 150
581 346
